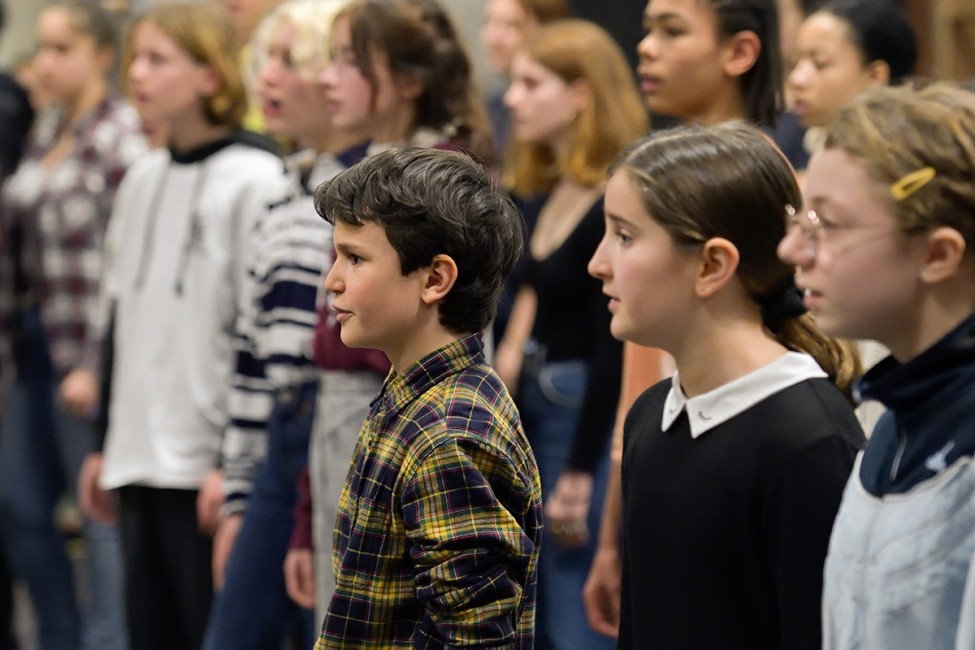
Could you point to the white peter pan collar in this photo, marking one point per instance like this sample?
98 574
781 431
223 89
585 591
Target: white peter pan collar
716 407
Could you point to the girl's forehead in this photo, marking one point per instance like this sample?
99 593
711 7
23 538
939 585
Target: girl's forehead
58 20
148 30
842 182
680 8
824 23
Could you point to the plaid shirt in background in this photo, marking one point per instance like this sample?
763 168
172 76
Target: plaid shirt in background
437 537
58 217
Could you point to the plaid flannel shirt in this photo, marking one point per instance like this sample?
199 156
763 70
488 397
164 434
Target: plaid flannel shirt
437 537
61 214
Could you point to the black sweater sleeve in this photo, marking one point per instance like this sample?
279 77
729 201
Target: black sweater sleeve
808 500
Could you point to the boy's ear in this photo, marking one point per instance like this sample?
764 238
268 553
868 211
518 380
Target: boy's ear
441 277
943 256
718 264
741 51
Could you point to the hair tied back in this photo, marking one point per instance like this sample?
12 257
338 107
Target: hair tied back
782 307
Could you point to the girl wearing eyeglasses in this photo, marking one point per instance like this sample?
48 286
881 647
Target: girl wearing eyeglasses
881 251
732 469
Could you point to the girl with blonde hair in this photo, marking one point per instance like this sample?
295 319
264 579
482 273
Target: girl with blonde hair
274 386
881 248
575 106
180 245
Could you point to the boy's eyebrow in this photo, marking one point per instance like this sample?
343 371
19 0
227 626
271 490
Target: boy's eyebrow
345 247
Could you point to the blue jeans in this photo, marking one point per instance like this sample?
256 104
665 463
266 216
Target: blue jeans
254 610
550 401
41 450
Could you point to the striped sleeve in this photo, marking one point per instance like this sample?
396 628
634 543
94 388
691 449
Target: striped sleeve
274 329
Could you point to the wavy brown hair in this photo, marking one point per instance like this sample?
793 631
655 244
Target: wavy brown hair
421 44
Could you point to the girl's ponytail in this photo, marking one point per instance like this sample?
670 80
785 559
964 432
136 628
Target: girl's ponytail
839 358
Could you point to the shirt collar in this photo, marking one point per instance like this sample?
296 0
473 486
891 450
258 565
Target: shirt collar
939 372
50 122
94 115
708 410
432 369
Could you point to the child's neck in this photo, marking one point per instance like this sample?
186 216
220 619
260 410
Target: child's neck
730 351
330 140
726 107
90 97
420 344
395 128
193 132
934 315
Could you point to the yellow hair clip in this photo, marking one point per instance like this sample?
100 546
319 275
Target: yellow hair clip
911 183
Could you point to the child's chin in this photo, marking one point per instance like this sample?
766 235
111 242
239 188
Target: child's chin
355 342
618 331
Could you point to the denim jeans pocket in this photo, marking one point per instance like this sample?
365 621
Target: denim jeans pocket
564 382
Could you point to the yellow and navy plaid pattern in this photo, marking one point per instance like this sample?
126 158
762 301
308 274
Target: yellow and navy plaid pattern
437 537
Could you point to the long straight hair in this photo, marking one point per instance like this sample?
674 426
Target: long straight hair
205 33
580 50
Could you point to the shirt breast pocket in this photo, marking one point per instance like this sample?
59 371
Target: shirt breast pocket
368 505
366 557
